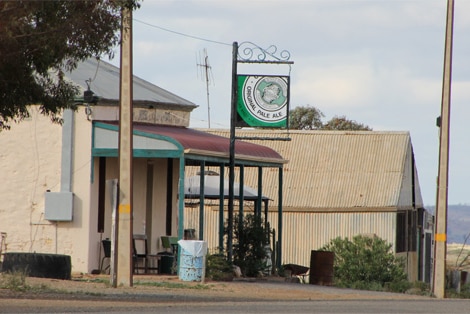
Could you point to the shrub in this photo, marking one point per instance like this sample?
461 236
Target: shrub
15 281
250 238
400 286
367 262
218 268
465 292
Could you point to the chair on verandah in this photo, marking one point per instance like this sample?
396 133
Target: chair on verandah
170 243
139 258
106 243
168 259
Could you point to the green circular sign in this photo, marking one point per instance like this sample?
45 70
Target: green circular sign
263 100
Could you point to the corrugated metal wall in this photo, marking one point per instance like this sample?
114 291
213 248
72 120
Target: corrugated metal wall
409 192
335 169
306 231
336 184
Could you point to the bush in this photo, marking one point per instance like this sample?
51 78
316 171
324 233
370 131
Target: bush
366 263
465 292
15 281
400 286
218 268
250 239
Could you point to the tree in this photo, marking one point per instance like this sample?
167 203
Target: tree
305 118
342 123
41 39
309 118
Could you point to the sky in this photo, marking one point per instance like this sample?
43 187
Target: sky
378 62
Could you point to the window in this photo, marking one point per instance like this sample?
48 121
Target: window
406 231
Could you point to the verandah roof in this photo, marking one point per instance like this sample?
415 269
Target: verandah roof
161 141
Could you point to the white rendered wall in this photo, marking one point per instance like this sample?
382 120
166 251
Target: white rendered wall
30 165
30 154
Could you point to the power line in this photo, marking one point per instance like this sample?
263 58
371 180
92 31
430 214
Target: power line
182 34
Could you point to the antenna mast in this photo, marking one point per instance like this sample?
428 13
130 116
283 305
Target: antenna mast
207 72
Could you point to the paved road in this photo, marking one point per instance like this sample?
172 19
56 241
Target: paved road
235 297
215 306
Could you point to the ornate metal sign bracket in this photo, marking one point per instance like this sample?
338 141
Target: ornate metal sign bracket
249 52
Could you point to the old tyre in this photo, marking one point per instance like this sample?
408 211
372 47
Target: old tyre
38 265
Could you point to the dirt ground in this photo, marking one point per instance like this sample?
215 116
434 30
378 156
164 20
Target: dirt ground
148 286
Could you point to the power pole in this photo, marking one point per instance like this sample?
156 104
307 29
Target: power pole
440 236
124 215
207 74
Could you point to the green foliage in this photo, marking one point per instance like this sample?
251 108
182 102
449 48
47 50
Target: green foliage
39 40
465 292
15 281
218 268
365 285
422 287
305 118
367 262
400 286
250 238
310 118
342 123
172 285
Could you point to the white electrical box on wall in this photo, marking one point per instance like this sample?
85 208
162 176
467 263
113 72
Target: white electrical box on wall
59 206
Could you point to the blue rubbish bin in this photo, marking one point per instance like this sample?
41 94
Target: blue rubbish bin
192 260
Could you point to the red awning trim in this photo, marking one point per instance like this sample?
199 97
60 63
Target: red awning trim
200 143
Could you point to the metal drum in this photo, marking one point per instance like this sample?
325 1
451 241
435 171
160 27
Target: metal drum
321 268
192 260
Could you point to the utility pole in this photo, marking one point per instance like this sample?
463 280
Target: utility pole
440 236
124 215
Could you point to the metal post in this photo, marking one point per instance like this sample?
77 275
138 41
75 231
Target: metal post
241 197
233 120
279 223
260 192
440 237
125 221
181 199
202 192
221 209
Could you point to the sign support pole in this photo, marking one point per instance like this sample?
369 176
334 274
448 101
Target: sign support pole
233 121
248 55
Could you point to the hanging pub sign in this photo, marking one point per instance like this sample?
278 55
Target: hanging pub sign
263 101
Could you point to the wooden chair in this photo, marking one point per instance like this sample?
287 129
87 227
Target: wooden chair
106 243
140 255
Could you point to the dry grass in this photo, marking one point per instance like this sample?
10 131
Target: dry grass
458 256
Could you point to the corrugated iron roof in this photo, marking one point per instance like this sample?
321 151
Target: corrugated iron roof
335 169
202 143
105 85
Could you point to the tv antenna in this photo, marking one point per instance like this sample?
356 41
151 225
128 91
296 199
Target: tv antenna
206 73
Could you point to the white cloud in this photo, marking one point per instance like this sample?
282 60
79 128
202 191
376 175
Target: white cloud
336 86
377 62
